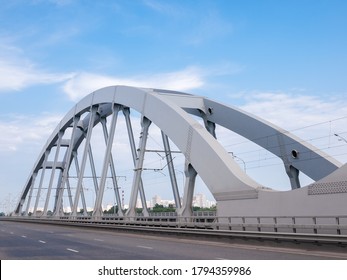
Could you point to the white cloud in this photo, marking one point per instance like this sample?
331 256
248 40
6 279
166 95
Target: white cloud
17 72
292 111
26 132
16 75
84 83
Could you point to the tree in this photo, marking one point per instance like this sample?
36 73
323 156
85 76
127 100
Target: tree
112 210
161 208
197 208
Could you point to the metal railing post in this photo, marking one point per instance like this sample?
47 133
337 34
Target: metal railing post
315 231
338 225
275 224
293 222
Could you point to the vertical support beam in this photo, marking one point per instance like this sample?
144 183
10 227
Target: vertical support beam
293 175
69 192
67 163
44 165
84 204
106 164
210 126
190 174
291 171
30 196
171 169
126 112
84 159
56 157
113 170
145 123
92 166
58 204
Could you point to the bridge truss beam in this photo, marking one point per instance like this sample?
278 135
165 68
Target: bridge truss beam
173 113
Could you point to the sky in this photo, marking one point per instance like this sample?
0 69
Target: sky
284 61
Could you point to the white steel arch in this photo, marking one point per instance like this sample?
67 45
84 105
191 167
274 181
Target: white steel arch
235 192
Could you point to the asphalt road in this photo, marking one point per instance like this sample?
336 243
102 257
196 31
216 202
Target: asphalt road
21 241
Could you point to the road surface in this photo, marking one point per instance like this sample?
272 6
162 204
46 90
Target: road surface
21 241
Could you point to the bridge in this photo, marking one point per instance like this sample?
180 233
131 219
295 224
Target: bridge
186 124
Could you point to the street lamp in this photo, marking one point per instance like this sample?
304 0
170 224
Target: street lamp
340 138
240 159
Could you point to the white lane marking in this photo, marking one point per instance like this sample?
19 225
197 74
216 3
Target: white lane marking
72 250
41 241
220 259
145 247
98 240
11 232
24 236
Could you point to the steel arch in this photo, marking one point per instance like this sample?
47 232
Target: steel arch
171 112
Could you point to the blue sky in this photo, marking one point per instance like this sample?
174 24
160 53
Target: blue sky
285 61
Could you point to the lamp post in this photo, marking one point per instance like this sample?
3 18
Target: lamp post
240 159
122 200
183 186
340 138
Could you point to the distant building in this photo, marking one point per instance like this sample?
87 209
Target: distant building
200 200
138 203
155 200
168 203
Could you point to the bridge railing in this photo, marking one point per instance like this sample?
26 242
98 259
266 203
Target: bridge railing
335 225
286 224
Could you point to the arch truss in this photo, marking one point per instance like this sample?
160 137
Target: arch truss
189 122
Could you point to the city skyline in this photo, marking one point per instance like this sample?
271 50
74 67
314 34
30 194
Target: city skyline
199 200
